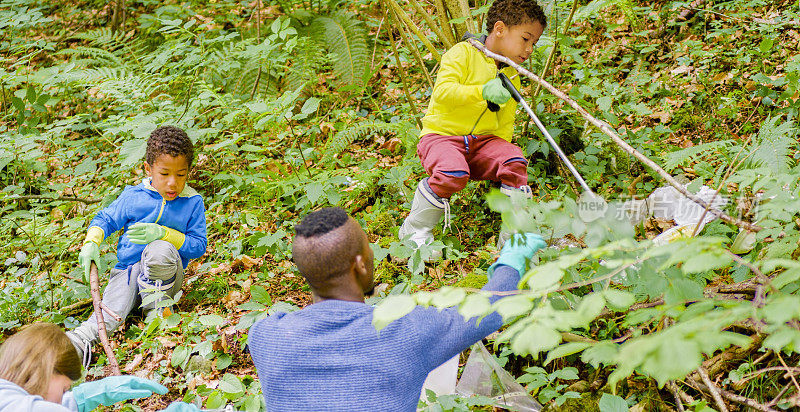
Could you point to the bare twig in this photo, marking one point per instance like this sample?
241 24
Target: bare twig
94 281
402 72
552 57
110 312
794 381
734 397
676 392
712 389
607 130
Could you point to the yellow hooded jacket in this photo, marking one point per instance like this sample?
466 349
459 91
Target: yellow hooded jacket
457 98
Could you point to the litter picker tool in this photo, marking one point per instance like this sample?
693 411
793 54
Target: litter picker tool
518 97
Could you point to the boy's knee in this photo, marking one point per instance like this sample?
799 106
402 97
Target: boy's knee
160 251
445 183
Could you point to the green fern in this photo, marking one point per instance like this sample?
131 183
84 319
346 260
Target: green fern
773 142
95 56
344 36
680 157
344 138
304 69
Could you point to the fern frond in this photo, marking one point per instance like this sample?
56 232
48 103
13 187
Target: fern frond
304 69
344 138
345 37
96 56
102 37
773 142
680 157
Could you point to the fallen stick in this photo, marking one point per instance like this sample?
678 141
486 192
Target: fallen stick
712 389
94 282
741 400
607 130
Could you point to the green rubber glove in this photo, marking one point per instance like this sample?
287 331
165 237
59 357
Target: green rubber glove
518 249
144 233
113 389
90 252
181 407
494 91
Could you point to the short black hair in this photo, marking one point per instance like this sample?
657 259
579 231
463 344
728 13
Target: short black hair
514 12
169 140
321 222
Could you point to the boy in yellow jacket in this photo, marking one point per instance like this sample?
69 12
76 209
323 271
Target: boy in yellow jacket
463 138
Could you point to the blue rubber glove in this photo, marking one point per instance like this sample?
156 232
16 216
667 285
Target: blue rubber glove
518 249
181 407
113 389
494 91
144 233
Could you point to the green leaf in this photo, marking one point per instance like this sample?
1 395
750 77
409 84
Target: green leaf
392 308
475 305
259 294
567 374
534 339
447 297
766 45
512 306
179 355
604 103
231 384
314 191
223 361
211 320
619 299
132 151
566 349
612 403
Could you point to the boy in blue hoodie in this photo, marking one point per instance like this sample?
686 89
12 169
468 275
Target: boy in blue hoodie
163 226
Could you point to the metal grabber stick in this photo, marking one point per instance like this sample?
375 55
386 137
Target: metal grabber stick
518 97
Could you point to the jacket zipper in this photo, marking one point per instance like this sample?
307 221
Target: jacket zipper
163 203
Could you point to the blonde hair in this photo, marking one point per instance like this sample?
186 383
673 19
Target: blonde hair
33 355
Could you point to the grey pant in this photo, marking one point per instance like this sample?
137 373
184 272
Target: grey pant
160 261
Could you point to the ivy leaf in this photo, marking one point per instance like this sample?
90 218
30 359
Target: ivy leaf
392 308
612 403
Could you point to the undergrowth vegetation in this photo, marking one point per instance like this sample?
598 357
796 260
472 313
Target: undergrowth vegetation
299 105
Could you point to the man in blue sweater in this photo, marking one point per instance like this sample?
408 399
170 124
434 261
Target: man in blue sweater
328 356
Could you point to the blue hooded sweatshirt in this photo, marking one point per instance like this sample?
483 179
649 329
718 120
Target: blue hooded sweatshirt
142 203
15 399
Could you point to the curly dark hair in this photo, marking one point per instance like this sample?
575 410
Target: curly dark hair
513 12
321 222
169 140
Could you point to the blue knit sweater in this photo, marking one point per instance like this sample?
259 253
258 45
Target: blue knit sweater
329 357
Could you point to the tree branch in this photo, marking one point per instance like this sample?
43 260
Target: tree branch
94 281
607 130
